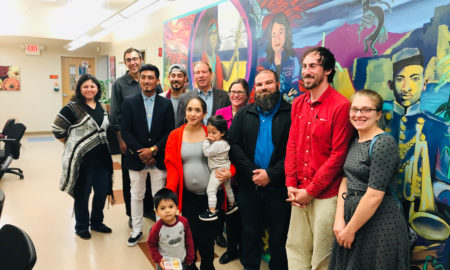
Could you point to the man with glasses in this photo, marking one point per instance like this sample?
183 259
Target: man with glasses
316 150
124 86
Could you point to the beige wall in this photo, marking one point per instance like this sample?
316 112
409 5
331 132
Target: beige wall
37 104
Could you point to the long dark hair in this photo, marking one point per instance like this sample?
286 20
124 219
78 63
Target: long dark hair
220 123
280 18
86 77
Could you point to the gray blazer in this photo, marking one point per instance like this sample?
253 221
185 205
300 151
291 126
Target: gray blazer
220 100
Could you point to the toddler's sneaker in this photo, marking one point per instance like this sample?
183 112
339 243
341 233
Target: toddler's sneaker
208 215
233 208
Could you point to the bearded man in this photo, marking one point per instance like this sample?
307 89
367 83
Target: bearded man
258 138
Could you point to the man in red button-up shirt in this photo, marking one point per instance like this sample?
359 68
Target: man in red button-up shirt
317 146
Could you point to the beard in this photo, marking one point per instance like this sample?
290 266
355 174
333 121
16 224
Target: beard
177 88
316 82
267 102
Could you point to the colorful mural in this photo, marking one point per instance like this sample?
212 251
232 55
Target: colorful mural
398 48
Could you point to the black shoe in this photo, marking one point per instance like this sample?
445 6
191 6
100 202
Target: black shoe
226 258
84 234
101 228
221 241
134 239
130 223
208 216
232 209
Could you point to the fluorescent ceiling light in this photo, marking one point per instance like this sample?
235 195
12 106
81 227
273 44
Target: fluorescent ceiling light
79 42
112 21
152 8
137 6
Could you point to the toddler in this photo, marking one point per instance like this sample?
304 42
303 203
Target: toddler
216 148
170 240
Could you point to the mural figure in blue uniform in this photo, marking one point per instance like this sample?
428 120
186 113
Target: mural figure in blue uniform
422 182
281 57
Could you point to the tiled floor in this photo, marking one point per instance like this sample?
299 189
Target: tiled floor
36 205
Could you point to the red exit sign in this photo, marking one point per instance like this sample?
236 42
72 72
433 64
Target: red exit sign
32 49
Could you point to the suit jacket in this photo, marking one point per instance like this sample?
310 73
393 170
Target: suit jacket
135 132
220 100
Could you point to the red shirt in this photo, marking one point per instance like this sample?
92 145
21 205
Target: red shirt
318 141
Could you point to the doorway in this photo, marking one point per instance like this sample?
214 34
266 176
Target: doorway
72 69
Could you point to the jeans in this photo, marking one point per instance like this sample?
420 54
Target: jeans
91 175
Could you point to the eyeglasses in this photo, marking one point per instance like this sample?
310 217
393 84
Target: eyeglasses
129 60
363 110
237 92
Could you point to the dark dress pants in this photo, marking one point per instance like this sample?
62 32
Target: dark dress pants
148 199
203 232
94 175
233 228
260 207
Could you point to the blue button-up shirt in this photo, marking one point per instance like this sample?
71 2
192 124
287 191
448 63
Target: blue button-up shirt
208 98
149 103
264 143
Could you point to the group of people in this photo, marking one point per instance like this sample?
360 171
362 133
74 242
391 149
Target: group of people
301 172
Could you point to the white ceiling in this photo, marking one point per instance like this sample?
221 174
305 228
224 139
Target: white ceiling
58 19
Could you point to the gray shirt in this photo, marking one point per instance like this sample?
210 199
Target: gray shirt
175 101
195 167
122 87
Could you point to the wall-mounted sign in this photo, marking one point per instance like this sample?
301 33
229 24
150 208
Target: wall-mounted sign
32 49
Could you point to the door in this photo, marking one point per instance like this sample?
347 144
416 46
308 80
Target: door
72 69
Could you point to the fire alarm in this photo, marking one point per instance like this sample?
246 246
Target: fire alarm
160 52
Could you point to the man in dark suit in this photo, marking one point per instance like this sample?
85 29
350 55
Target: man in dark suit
215 98
147 120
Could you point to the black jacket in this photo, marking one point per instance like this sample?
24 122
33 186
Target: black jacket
243 135
135 133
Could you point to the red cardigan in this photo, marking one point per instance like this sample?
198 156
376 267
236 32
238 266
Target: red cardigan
174 165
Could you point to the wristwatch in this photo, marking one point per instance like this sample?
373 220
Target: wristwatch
154 150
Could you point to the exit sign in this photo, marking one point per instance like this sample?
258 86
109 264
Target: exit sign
32 49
